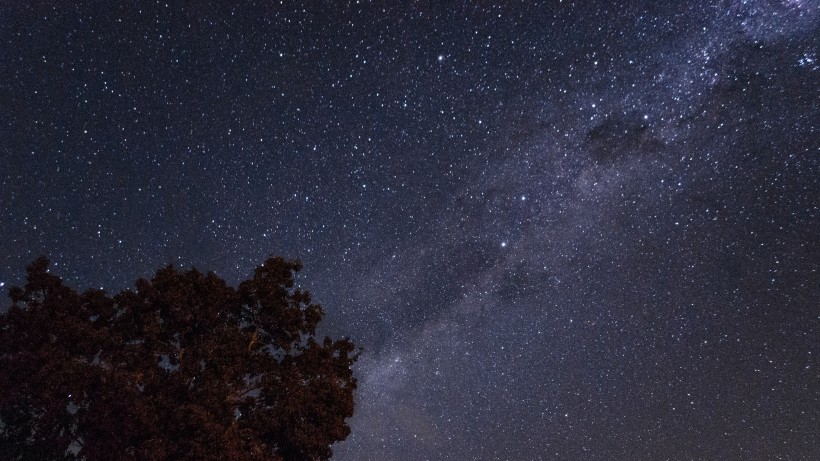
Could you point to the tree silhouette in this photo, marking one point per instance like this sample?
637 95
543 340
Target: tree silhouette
184 368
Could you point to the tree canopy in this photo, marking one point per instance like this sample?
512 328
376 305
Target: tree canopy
185 367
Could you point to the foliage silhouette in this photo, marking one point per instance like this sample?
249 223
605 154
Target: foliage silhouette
184 368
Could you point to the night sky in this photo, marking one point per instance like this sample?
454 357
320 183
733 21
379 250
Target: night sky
560 230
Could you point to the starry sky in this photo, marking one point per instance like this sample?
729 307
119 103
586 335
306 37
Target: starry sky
560 230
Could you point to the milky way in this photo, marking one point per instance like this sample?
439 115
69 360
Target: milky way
567 231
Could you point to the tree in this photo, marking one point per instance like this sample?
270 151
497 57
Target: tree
185 368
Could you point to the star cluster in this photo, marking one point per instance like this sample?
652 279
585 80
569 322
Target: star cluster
566 230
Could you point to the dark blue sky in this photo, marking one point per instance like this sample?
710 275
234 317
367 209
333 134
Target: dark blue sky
565 230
